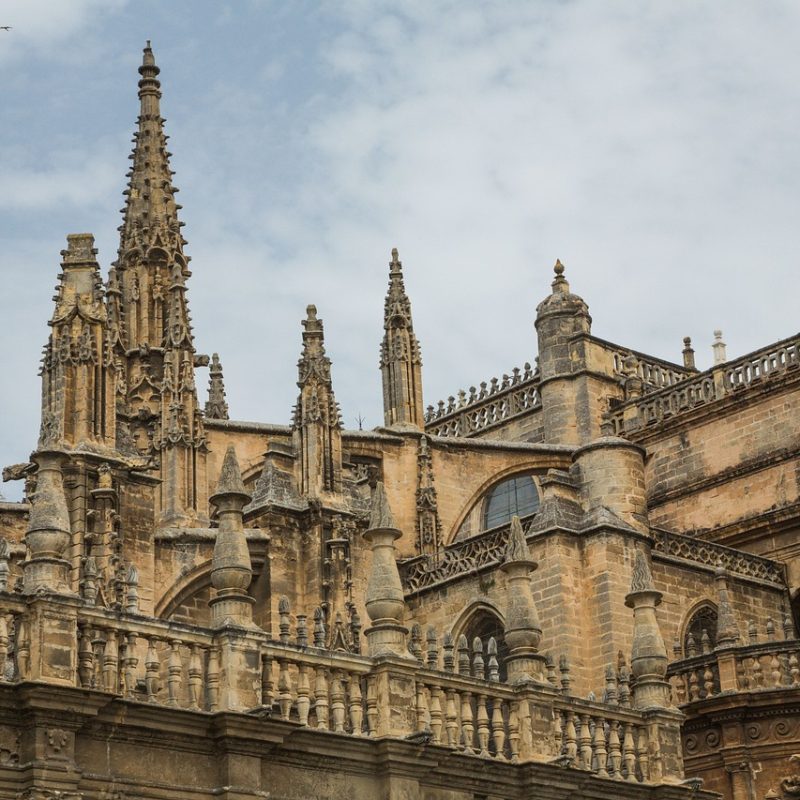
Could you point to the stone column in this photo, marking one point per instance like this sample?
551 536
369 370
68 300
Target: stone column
231 570
49 531
384 597
522 630
648 653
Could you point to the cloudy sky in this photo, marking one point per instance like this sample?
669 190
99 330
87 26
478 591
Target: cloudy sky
651 146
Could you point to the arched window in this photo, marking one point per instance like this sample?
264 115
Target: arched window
701 632
485 625
515 496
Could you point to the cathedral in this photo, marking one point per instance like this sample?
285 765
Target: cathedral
576 580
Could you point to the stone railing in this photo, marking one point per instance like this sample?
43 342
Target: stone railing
745 668
494 402
706 387
714 555
654 373
471 555
453 693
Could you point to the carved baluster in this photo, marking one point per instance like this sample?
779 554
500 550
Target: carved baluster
463 655
302 630
705 643
708 681
432 643
612 693
788 627
794 668
467 722
110 663
85 654
99 646
513 731
437 715
624 683
678 689
321 698
284 688
550 670
775 668
482 720
570 738
451 719
643 753
629 752
284 620
742 678
131 662
494 666
415 643
691 646
614 750
694 686
585 742
319 628
337 701
303 693
372 706
212 679
599 747
196 678
758 673
174 672
498 728
152 666
356 707
563 668
447 650
478 666
752 632
770 630
267 686
558 730
422 710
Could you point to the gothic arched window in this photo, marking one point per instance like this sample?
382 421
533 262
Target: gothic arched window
485 625
701 633
515 496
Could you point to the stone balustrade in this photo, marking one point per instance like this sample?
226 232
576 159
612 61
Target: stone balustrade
494 402
654 373
706 387
455 695
746 668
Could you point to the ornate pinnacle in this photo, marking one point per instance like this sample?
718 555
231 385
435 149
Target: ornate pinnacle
230 478
380 514
642 578
517 550
559 284
216 407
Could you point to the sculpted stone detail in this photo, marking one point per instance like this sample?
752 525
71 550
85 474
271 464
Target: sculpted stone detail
429 526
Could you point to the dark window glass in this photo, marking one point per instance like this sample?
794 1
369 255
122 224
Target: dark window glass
516 496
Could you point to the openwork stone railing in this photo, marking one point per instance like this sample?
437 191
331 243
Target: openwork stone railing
746 668
460 558
485 551
714 384
715 555
655 374
495 402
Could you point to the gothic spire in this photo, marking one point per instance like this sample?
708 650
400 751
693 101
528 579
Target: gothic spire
401 362
216 407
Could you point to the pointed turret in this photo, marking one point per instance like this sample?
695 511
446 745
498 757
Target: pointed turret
317 424
78 372
401 362
216 407
231 570
147 290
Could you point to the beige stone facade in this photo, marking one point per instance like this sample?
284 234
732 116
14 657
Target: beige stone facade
574 580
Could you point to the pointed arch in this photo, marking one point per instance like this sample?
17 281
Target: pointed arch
702 618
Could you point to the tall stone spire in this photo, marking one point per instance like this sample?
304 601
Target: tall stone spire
78 373
216 407
317 424
147 291
401 362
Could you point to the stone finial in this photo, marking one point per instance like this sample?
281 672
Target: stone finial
522 629
688 353
231 570
216 406
380 513
727 629
648 652
384 597
559 284
49 530
720 348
